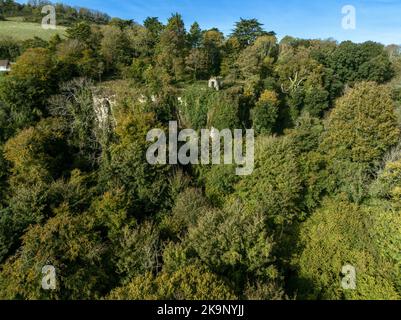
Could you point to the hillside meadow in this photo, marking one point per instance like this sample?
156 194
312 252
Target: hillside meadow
20 30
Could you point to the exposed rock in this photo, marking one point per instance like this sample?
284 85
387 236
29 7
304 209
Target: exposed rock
103 109
216 83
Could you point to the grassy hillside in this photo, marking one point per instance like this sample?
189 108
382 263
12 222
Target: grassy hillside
26 30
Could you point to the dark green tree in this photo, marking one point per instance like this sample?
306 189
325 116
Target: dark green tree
248 30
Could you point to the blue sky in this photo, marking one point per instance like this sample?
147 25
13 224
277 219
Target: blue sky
378 20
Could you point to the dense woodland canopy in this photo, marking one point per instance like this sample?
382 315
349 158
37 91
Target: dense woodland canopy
76 191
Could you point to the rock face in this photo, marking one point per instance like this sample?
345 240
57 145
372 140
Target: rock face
215 83
5 66
103 109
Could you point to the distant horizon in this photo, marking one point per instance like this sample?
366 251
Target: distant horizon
377 20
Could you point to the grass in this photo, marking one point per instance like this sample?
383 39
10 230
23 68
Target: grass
19 30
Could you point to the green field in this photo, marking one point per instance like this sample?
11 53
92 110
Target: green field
26 30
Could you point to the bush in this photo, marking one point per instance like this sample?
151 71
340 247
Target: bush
359 131
338 234
188 208
275 186
362 126
266 112
196 103
71 246
234 242
189 283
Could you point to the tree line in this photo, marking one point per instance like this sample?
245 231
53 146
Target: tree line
66 15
